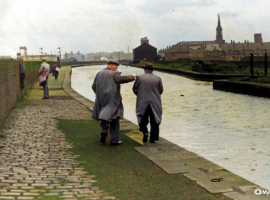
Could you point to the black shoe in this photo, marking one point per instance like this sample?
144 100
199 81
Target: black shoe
45 98
118 143
152 141
103 139
145 137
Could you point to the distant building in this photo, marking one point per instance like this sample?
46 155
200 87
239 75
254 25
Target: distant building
144 51
78 56
216 49
258 38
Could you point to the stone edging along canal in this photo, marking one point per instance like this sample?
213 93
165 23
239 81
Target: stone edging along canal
255 89
220 82
195 75
175 159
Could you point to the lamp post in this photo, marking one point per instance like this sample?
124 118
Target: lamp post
265 63
59 53
251 64
41 52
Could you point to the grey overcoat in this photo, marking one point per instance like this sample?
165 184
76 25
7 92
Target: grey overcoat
108 103
148 88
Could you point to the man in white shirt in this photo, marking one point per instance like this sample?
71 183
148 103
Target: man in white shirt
44 72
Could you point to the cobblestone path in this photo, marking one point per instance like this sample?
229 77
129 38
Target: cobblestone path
34 159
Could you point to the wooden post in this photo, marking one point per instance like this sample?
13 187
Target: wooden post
265 64
251 64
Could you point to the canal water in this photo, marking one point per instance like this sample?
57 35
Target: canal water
231 130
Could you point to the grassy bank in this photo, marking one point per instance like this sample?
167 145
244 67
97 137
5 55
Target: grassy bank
122 171
265 79
186 64
31 76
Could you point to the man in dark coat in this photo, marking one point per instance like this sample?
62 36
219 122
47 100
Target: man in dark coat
108 106
22 70
148 88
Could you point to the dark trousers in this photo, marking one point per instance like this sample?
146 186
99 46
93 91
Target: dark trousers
154 132
22 77
45 89
56 73
114 129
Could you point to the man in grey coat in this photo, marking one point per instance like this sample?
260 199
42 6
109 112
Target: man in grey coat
148 88
108 106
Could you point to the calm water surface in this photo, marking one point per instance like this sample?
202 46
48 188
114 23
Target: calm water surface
231 130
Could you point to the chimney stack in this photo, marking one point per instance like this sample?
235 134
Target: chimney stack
144 40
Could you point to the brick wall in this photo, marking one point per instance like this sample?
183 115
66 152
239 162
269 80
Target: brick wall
10 81
9 86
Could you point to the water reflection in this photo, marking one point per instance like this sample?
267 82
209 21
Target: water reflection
228 129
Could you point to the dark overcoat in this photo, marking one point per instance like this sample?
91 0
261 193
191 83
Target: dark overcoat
55 73
108 103
148 88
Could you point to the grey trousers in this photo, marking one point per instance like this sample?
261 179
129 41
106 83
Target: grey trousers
114 129
45 90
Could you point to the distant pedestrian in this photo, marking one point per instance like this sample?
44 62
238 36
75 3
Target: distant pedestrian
108 106
22 70
44 72
148 88
55 70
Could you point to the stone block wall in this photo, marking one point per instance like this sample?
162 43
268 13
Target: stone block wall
9 86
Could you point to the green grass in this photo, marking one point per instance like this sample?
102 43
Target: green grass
123 172
265 79
186 64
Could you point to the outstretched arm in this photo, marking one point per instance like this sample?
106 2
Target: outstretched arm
123 79
136 86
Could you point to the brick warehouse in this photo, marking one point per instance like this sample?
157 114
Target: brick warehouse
144 52
216 49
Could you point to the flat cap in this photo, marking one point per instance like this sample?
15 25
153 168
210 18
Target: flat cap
111 61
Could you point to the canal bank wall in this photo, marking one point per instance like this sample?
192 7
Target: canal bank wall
220 82
195 75
255 89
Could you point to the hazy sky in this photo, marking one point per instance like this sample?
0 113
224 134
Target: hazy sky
112 25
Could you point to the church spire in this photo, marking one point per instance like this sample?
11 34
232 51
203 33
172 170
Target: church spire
219 37
219 21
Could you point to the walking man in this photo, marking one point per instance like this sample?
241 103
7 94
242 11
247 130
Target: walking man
22 70
44 72
108 106
148 88
55 70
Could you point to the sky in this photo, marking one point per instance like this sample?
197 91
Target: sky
115 25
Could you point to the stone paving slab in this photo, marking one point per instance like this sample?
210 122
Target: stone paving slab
246 193
229 181
175 163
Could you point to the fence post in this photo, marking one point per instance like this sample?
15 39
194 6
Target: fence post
265 64
251 64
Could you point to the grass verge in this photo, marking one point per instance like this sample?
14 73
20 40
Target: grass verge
123 172
265 79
